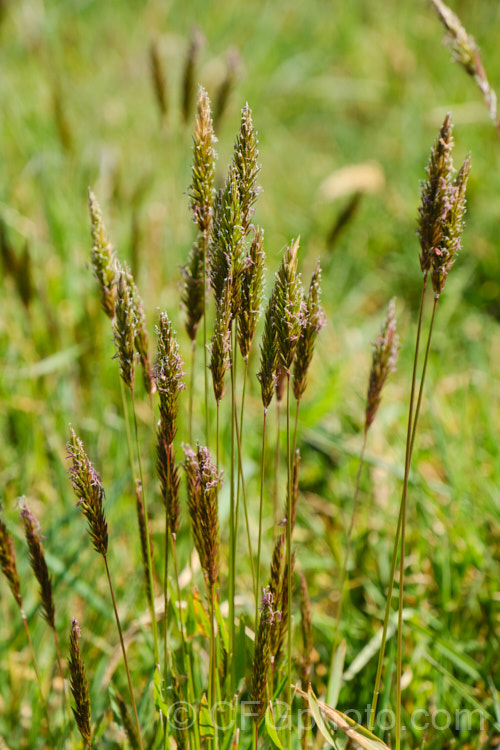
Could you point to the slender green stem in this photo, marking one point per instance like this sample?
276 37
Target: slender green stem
245 504
35 667
191 392
212 689
165 613
239 434
411 437
343 576
261 505
125 660
378 679
289 556
154 625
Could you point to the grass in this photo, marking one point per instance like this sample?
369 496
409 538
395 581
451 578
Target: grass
327 88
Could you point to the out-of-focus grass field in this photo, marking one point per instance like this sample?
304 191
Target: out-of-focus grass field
331 85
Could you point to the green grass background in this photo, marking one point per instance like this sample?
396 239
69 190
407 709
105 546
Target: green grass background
330 85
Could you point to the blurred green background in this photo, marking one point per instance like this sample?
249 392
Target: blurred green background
331 86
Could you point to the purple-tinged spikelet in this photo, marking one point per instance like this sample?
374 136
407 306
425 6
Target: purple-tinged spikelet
436 195
312 323
79 685
220 359
8 564
245 160
269 618
103 258
193 288
88 488
384 358
267 375
444 257
288 307
141 519
203 484
168 375
38 564
252 287
124 324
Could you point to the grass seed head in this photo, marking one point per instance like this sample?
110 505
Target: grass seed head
193 288
220 349
188 78
202 190
269 618
228 257
252 287
168 376
8 563
268 372
37 562
203 485
88 488
307 633
466 53
141 519
168 472
124 330
384 358
79 685
444 257
245 160
313 319
141 341
158 77
103 258
288 308
436 195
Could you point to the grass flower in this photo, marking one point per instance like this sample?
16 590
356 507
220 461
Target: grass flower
252 286
103 258
245 161
8 563
38 564
79 685
313 319
124 325
384 358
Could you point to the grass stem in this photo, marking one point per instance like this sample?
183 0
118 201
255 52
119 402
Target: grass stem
289 558
261 505
125 660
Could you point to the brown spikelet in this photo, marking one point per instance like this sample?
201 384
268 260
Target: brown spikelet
444 257
313 320
202 484
189 73
141 519
158 78
168 375
168 471
466 52
288 298
38 564
8 563
79 685
124 330
252 285
307 634
435 200
220 359
269 620
384 358
280 385
87 486
268 355
103 258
